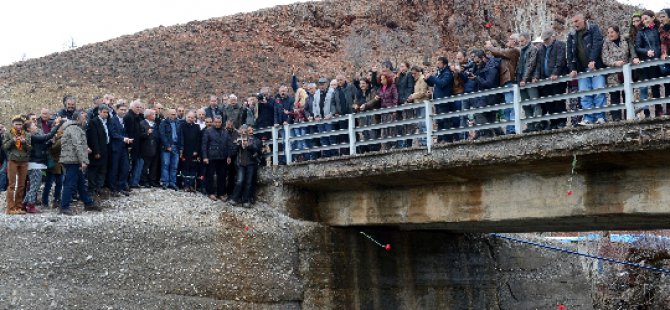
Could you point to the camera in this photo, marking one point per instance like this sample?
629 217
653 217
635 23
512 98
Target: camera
260 97
469 67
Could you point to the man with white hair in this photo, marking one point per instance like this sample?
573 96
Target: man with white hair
131 124
233 112
148 147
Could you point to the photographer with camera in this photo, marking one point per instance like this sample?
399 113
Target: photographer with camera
248 153
442 81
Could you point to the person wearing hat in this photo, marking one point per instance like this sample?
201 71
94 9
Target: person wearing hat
17 146
551 65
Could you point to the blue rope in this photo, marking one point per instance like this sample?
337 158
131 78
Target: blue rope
562 250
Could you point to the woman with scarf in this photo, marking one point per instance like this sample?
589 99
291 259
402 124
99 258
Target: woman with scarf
616 53
17 145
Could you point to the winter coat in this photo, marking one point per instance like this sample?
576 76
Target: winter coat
97 142
349 91
190 139
148 141
40 146
74 149
405 84
250 155
12 152
613 53
117 133
420 91
250 116
527 66
556 61
165 135
280 105
54 153
648 39
265 114
64 113
131 125
388 96
509 59
217 144
442 83
487 77
593 43
328 103
234 113
212 112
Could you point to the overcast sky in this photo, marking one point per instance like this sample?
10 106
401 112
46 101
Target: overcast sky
35 28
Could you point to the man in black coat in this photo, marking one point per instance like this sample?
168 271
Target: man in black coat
552 64
216 153
120 161
149 148
190 138
213 109
97 137
131 124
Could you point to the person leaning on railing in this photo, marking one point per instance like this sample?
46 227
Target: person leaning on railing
420 94
486 76
664 32
616 53
366 101
388 97
551 65
509 58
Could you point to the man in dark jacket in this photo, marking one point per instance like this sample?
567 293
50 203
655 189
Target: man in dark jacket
584 48
97 136
216 153
248 153
442 81
551 65
69 107
213 108
265 110
486 76
190 138
283 105
118 146
526 71
509 58
405 85
131 125
148 147
169 136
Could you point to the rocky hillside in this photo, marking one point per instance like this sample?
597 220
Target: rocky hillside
241 53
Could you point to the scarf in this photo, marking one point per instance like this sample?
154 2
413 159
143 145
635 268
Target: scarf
17 143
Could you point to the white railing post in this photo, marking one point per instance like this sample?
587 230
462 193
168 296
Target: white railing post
287 144
517 108
628 91
352 134
275 146
428 107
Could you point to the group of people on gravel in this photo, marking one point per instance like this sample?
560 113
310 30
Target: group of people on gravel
114 146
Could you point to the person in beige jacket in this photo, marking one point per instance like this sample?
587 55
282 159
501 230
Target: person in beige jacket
420 94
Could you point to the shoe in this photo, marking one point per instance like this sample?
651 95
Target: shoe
67 212
16 212
56 204
600 121
115 194
125 193
31 209
133 187
92 209
164 187
212 197
584 123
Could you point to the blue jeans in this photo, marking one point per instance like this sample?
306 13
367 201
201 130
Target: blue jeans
509 113
48 182
75 181
137 172
593 101
169 162
3 176
326 141
119 168
244 183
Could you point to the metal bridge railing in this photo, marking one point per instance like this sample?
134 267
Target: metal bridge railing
352 130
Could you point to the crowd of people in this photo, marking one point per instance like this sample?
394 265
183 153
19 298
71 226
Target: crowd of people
113 147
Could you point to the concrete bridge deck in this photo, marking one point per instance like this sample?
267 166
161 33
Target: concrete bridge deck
516 183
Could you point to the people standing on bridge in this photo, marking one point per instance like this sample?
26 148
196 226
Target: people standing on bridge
388 97
648 47
405 84
486 76
283 104
248 153
509 58
216 153
584 50
17 145
526 73
419 94
463 85
323 109
366 101
343 98
38 161
616 53
298 116
442 81
552 64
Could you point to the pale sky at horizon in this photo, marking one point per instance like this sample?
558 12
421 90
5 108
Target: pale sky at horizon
36 28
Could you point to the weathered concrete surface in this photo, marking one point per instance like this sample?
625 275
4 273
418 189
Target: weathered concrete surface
518 183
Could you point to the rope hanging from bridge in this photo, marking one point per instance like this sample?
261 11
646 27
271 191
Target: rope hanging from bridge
386 247
567 251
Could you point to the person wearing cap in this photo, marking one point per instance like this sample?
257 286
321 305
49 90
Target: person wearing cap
585 44
75 160
17 145
525 73
551 65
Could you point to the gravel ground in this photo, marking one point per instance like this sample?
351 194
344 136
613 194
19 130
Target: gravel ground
153 250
